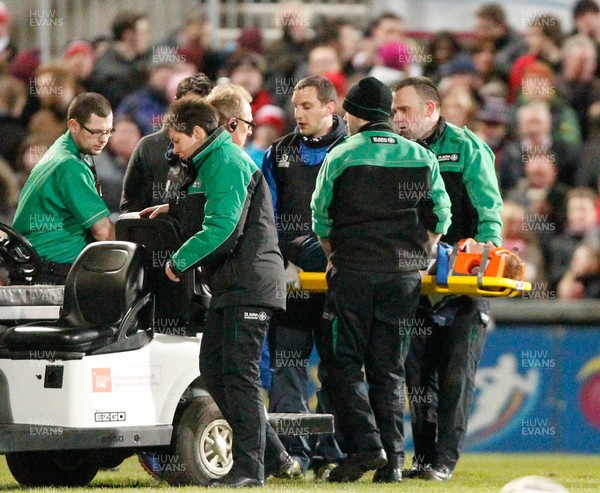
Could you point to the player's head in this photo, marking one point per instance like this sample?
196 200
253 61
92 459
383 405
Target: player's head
314 103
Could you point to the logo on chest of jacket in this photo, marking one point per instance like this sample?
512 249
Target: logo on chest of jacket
260 316
284 161
378 139
444 158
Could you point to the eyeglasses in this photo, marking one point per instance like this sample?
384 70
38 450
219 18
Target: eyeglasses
99 133
250 124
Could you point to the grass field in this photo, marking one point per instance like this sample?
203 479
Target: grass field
476 473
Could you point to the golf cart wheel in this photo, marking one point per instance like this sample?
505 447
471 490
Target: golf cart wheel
201 446
70 468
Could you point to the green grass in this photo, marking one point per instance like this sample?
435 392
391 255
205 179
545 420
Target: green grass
476 473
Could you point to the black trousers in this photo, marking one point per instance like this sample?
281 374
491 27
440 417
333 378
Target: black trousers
364 316
440 378
229 364
291 339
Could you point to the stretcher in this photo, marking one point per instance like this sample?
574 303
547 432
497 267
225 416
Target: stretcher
457 285
468 268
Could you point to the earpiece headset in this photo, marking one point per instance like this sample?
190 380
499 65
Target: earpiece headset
233 125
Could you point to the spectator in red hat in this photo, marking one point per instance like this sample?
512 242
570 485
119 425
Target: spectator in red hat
81 58
251 38
270 125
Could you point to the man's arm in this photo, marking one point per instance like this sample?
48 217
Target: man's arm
434 209
326 246
321 199
103 230
269 174
225 214
433 239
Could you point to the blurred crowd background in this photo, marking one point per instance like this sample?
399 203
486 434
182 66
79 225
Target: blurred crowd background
531 91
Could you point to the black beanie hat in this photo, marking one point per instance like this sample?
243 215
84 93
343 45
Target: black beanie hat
370 100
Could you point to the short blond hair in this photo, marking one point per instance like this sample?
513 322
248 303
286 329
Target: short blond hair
228 100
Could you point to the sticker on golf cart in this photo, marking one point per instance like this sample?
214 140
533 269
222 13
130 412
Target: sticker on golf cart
126 379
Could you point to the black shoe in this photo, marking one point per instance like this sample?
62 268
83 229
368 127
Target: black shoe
235 482
438 472
353 468
417 471
287 467
388 474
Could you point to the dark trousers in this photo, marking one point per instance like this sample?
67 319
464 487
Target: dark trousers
440 379
229 364
364 316
291 341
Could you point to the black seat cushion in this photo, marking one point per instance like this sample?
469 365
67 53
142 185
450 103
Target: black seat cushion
37 336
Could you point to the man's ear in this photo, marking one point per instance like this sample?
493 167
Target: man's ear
73 125
430 105
329 108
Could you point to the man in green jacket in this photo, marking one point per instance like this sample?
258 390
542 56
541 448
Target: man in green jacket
378 208
443 359
243 267
60 209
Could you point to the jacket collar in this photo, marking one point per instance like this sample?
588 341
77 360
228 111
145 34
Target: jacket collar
437 132
217 138
337 131
71 146
382 126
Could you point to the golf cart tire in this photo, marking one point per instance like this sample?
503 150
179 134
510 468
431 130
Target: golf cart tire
53 468
201 446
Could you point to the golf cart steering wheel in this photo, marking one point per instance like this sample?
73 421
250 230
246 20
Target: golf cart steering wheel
18 256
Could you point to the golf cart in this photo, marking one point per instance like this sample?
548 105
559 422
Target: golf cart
108 367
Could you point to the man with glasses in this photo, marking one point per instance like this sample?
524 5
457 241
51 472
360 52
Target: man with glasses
60 209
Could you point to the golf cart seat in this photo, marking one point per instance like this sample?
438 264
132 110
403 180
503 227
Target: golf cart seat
107 307
21 297
179 307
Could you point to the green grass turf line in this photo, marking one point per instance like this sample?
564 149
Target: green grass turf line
476 473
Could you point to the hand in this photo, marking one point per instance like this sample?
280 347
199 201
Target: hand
155 210
170 274
292 276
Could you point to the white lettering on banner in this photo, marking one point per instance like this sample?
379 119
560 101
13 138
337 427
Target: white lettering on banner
127 379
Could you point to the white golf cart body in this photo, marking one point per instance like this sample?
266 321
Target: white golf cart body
77 396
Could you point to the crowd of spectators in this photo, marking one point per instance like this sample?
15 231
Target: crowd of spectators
533 94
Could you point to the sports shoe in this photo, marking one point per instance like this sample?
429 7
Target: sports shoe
437 472
288 468
322 474
353 468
